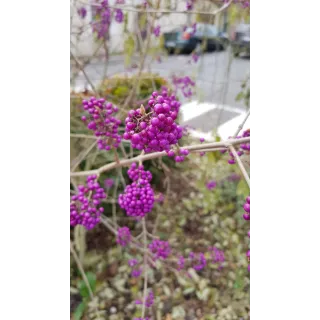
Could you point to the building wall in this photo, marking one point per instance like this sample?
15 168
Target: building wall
85 45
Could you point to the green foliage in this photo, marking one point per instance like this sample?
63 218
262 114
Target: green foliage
85 294
77 315
117 88
83 289
243 189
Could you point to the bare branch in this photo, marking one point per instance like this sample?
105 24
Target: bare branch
242 124
83 156
145 267
84 277
84 73
240 164
149 156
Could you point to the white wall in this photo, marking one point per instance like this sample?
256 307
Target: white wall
85 44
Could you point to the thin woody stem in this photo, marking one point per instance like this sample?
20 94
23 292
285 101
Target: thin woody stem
84 73
240 164
83 275
242 124
145 268
149 156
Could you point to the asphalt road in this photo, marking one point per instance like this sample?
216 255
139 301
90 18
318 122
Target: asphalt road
214 84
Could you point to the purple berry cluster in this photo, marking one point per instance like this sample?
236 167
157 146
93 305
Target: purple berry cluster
217 256
184 84
123 236
104 18
108 183
246 216
138 174
244 147
179 154
159 198
101 26
232 158
136 272
101 121
155 130
149 300
156 31
211 185
243 3
118 15
132 262
160 249
84 206
181 262
194 57
82 12
190 4
199 259
246 207
138 197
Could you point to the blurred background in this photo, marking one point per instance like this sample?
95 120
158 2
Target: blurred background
204 58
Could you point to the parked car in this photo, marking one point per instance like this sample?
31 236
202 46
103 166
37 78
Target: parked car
240 39
192 38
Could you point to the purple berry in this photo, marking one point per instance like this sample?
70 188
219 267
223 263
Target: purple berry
246 207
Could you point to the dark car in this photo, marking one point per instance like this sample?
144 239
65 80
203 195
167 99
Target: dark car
240 40
186 41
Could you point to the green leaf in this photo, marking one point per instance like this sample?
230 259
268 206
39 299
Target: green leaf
243 188
121 91
79 311
239 96
83 287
